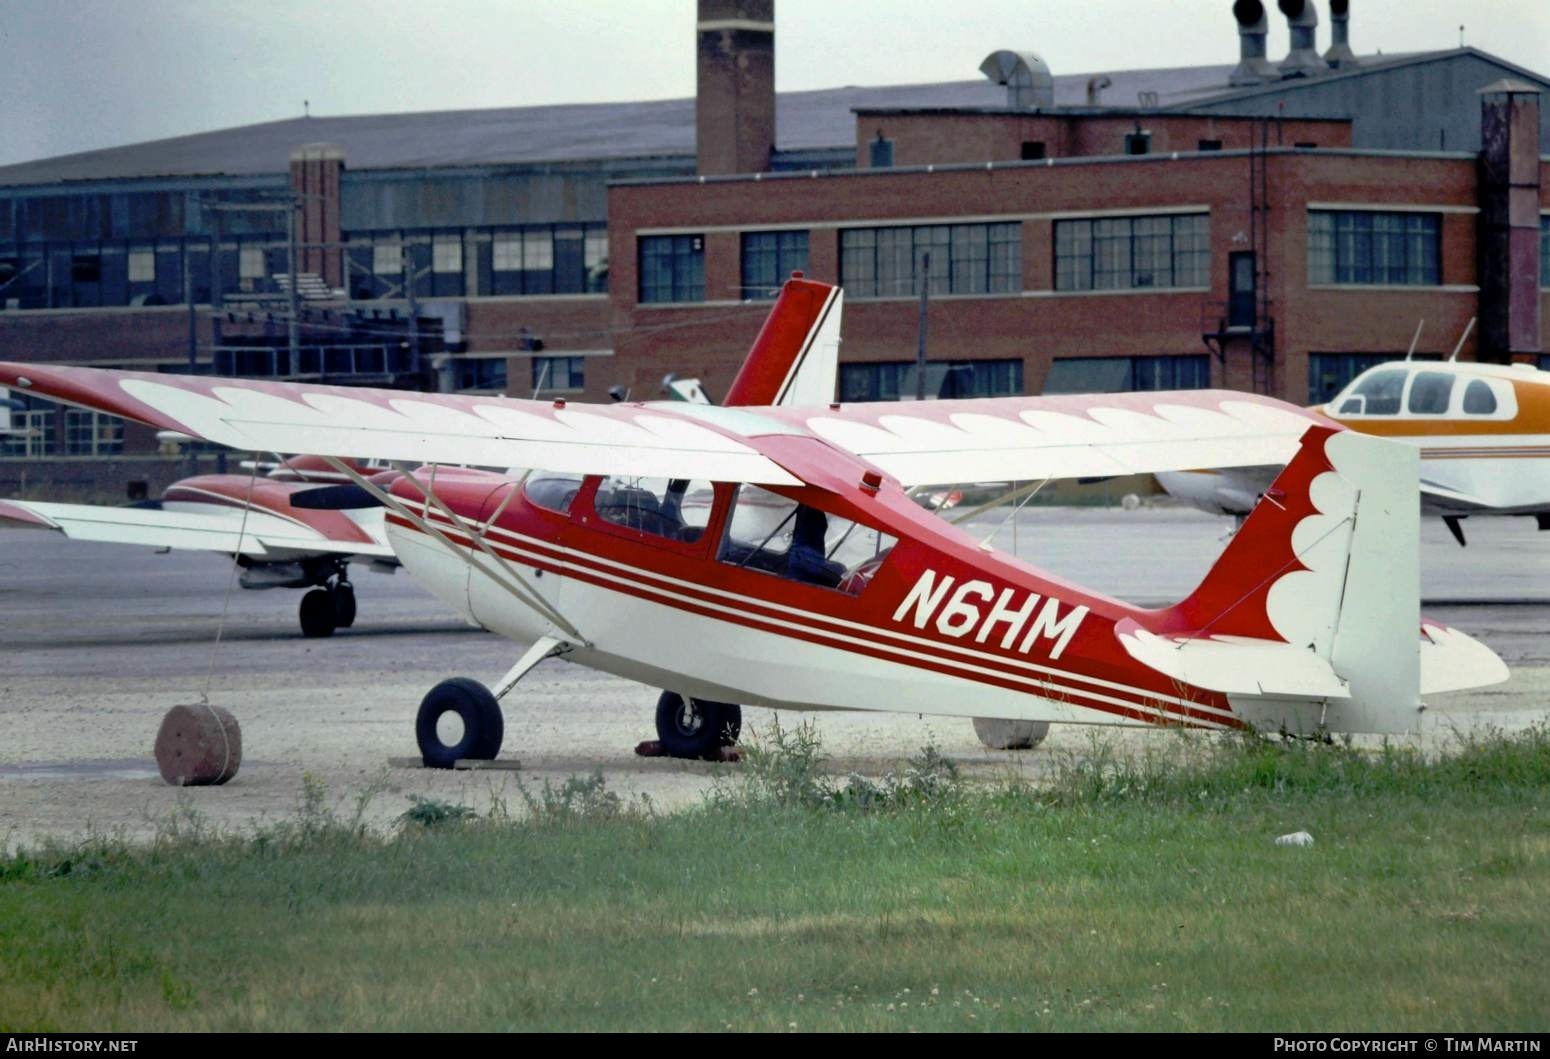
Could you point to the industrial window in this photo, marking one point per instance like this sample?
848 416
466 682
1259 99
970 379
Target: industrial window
880 153
895 380
447 253
1372 247
92 433
1210 145
1033 150
965 259
559 373
769 258
1124 374
85 268
481 373
672 268
387 259
1330 373
1544 251
251 263
595 261
1133 253
141 265
32 430
1138 142
506 252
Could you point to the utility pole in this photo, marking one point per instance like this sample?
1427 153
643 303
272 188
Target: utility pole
414 310
920 344
293 331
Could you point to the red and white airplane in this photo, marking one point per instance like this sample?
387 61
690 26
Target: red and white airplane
262 521
807 578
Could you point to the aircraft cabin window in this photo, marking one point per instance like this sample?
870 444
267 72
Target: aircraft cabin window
674 508
1380 392
554 492
1429 393
776 535
1478 399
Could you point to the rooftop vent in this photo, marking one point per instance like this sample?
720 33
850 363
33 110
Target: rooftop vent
1303 22
1029 85
1253 68
1340 56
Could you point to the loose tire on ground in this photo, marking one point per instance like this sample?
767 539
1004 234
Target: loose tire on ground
698 728
317 613
344 605
483 726
1010 735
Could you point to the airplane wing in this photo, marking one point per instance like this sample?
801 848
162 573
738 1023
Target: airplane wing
261 536
1078 436
421 428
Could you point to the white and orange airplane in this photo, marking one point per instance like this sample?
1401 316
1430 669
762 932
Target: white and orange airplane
1483 431
809 579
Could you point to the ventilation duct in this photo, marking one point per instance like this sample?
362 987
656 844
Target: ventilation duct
1095 87
1303 23
1253 27
1029 84
1340 56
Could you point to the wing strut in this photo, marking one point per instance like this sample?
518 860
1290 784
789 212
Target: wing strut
523 594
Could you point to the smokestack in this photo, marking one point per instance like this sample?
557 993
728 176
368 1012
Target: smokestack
1253 68
1340 56
1029 85
734 111
1303 22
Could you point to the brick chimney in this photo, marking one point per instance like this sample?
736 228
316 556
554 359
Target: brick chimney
1509 222
734 108
315 173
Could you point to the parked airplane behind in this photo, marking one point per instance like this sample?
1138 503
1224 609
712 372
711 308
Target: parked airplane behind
1483 431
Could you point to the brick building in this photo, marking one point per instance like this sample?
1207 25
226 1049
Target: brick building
1271 226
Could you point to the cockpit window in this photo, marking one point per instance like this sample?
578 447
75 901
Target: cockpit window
1380 393
552 491
1478 399
1429 393
673 508
776 535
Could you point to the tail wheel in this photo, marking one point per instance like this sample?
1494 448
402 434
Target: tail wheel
458 718
696 728
1010 735
344 605
317 613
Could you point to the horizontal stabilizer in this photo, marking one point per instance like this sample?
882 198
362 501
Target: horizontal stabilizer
1455 661
1237 665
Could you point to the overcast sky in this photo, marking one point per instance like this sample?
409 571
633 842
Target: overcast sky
83 74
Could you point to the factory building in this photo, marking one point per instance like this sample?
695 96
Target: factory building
1272 224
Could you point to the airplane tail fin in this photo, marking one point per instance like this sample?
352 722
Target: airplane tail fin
1311 617
796 356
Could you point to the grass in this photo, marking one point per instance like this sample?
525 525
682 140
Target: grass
1139 892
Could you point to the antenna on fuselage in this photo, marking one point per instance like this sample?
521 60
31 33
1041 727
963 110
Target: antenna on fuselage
1462 339
1417 339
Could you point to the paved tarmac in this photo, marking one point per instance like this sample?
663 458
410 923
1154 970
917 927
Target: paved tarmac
97 641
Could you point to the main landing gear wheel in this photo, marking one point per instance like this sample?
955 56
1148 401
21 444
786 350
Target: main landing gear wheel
1010 735
696 728
344 604
458 718
318 614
